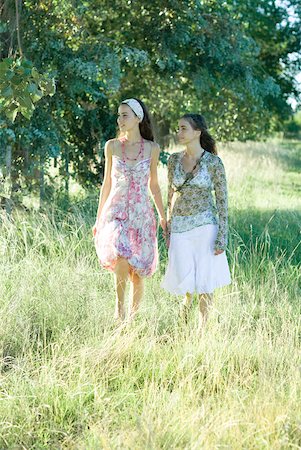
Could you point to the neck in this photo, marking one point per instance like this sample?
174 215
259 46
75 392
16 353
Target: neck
133 136
194 149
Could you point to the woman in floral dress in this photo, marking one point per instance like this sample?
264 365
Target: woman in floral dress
197 225
125 228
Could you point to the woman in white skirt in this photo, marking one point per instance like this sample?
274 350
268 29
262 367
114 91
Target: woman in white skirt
197 262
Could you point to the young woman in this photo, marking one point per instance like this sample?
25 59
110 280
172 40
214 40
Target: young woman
125 228
197 225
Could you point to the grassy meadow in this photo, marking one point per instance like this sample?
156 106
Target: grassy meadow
70 380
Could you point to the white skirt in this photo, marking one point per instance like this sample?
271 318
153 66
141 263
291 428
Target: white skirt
192 266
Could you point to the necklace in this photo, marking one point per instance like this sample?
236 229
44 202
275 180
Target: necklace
125 156
190 175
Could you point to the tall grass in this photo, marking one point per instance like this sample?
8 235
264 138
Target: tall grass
70 379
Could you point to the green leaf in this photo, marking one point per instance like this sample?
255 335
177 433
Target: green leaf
31 88
26 103
9 74
8 92
9 61
26 113
34 92
4 66
48 86
27 64
16 80
35 74
11 112
37 96
27 72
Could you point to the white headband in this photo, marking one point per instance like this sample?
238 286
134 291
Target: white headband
135 107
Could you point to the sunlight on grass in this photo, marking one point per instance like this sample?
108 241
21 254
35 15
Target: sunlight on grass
71 379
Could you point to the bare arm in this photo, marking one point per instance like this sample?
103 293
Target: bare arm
106 185
154 185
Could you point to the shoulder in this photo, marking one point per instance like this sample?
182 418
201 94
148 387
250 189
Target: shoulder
110 145
152 144
155 148
153 152
214 160
173 158
211 157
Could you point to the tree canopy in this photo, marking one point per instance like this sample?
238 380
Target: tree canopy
234 61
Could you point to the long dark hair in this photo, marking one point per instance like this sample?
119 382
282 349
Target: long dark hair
145 126
198 122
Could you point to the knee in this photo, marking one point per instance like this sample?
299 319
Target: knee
122 268
136 279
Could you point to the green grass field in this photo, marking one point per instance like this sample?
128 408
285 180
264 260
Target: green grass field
70 380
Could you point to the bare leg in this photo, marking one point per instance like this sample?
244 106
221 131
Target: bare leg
136 293
121 275
205 301
185 306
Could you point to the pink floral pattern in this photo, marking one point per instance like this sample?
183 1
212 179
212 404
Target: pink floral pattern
127 225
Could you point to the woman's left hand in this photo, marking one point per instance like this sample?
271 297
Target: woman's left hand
218 251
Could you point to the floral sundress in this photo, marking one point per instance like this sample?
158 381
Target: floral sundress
127 226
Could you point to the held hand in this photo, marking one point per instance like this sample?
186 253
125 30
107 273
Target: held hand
218 251
167 234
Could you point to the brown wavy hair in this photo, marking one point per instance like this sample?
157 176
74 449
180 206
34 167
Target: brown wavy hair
198 122
145 126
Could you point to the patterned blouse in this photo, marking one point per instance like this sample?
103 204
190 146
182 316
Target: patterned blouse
192 205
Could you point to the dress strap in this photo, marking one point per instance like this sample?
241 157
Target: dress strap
123 149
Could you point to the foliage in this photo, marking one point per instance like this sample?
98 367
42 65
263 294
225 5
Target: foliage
21 86
230 60
292 127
